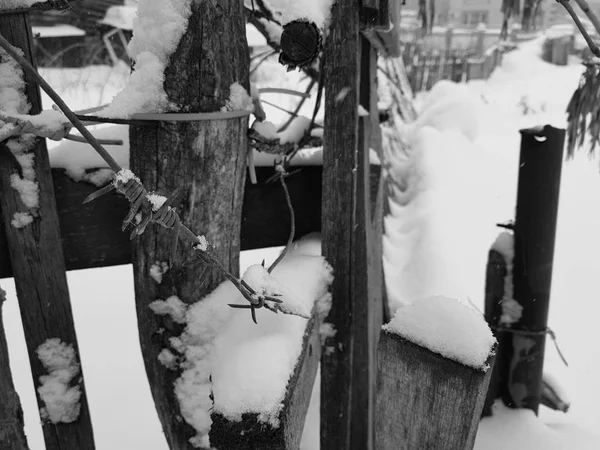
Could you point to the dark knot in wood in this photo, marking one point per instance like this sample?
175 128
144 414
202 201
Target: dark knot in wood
300 44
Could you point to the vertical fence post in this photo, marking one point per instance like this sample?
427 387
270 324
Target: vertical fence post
480 40
517 377
37 259
449 34
348 371
12 436
209 159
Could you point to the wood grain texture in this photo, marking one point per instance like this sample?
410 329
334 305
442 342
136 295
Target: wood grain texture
12 435
38 264
348 372
250 434
207 159
426 401
92 236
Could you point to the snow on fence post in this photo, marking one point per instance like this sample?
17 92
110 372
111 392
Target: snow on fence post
434 367
36 254
207 159
252 433
12 436
350 235
520 320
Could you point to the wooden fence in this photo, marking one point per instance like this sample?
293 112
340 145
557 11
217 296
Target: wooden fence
556 50
427 67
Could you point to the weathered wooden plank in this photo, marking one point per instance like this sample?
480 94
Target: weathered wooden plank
12 435
339 187
347 373
250 433
38 264
426 401
208 160
92 236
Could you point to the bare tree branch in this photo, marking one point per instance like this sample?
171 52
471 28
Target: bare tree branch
591 44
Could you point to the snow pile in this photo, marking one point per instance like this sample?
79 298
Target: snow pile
21 220
265 284
249 364
158 269
205 320
520 429
447 327
13 101
440 224
61 400
239 99
157 29
172 307
252 364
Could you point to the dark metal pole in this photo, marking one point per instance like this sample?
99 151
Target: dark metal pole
520 359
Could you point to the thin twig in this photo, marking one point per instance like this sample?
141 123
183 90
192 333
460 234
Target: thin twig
583 4
292 226
298 107
75 138
262 60
591 44
307 135
291 113
284 91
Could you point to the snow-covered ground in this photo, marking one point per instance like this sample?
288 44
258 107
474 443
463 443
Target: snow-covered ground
523 92
469 141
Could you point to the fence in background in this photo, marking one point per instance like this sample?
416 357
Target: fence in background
465 39
425 68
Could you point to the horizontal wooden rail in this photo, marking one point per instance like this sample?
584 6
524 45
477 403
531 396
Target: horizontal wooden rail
92 236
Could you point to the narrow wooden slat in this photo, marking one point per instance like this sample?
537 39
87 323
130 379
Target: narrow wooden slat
250 433
37 260
347 372
12 436
426 401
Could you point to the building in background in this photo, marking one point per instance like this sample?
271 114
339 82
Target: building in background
471 13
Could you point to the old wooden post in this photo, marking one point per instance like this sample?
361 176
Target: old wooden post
12 436
448 38
350 235
527 16
424 400
517 375
205 158
250 432
37 258
479 35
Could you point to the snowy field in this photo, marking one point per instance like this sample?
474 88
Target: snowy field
486 115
